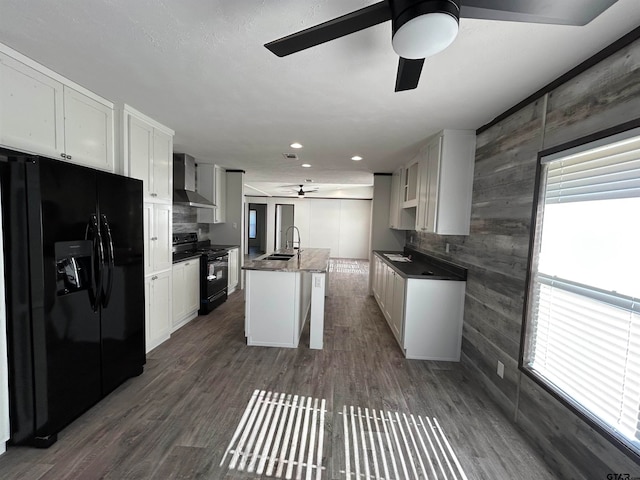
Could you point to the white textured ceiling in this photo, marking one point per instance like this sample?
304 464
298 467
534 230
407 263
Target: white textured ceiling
199 67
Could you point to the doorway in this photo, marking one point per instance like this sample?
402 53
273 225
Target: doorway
284 220
257 229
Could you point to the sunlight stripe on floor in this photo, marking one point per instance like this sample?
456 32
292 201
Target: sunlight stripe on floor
348 266
280 433
392 446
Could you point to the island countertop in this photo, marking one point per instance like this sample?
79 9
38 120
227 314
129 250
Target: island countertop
315 260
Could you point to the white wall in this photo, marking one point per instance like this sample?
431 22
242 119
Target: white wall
383 237
343 225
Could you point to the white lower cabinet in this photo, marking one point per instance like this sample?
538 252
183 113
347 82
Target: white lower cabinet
157 291
234 270
277 305
397 309
424 315
186 292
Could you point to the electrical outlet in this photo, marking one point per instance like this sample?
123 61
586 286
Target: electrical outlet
318 282
500 370
446 247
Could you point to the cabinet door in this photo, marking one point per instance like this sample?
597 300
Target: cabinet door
206 186
233 269
88 131
429 172
157 234
220 212
394 202
162 166
382 281
158 290
397 313
410 185
192 285
179 288
374 275
140 153
388 293
148 229
31 109
434 151
162 225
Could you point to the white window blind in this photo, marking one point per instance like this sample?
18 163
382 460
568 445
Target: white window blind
606 172
583 319
588 345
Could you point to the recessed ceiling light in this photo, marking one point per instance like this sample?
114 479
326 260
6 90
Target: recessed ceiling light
296 145
305 165
356 158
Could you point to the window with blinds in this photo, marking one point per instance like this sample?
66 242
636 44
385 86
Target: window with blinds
582 336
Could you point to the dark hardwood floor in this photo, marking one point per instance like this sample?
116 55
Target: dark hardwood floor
176 419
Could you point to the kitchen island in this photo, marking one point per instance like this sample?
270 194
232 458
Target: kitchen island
281 290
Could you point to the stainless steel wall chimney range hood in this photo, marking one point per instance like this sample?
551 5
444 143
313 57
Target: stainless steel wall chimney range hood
184 183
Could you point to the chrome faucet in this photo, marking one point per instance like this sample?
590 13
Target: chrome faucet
286 235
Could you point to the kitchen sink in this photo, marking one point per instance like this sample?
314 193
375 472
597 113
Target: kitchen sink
279 256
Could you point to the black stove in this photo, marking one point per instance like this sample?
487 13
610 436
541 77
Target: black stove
214 267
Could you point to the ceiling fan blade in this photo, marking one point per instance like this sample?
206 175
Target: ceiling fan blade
564 12
336 28
408 74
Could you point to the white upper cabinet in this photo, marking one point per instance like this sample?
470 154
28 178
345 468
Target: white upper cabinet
401 218
148 152
211 183
410 184
43 113
88 131
31 109
446 183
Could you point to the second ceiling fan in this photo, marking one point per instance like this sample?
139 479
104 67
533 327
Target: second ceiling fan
421 28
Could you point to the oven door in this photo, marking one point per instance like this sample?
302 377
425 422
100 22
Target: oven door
214 277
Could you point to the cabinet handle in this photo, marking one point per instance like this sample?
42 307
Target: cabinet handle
154 238
64 155
68 157
186 264
154 194
155 277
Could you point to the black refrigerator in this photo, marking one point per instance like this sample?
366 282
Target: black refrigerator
74 275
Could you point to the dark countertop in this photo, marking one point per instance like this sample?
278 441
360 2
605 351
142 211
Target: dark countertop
424 266
227 247
183 257
315 260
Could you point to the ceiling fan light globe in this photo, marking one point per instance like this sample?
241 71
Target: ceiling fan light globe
425 35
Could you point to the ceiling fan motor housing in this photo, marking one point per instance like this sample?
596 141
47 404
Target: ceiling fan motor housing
405 10
422 28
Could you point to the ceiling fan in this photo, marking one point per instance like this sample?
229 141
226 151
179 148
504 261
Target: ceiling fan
302 190
421 28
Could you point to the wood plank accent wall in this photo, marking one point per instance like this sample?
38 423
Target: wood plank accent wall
495 252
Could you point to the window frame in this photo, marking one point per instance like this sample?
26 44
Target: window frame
602 137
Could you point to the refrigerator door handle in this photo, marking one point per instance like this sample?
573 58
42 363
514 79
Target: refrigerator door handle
111 261
93 234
